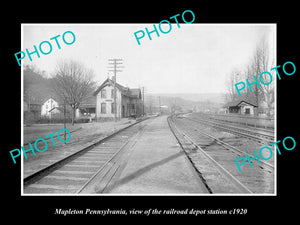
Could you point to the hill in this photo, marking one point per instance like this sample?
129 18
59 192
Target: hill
186 102
196 97
37 87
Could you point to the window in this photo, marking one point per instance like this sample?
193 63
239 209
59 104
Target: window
103 108
247 111
112 107
103 93
112 93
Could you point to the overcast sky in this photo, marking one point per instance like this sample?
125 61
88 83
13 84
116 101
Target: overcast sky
195 58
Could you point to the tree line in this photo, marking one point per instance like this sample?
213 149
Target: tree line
260 61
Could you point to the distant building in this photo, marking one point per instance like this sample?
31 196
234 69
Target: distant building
49 107
164 109
241 106
129 101
32 109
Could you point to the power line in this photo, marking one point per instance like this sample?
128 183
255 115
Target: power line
116 66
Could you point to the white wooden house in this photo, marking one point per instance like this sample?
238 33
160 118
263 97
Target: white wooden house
49 107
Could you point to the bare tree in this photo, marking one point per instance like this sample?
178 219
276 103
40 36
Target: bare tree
261 63
234 77
72 83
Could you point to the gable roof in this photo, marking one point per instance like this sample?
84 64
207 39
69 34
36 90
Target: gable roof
129 92
90 101
135 92
239 101
108 82
45 99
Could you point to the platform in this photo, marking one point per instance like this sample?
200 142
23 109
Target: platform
156 164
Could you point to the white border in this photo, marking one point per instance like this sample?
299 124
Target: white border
22 116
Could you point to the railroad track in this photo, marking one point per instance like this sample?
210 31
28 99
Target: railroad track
75 173
214 161
260 135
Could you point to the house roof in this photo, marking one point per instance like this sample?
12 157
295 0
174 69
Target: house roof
54 108
45 99
89 102
109 82
135 92
130 92
239 101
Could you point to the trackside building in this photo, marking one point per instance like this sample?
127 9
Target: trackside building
241 106
128 101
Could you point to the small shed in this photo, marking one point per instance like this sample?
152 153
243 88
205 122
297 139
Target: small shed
241 106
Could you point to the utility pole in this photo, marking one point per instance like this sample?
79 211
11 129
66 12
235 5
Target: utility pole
65 118
115 63
50 108
159 104
143 101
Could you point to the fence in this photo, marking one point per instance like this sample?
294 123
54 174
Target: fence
33 117
245 120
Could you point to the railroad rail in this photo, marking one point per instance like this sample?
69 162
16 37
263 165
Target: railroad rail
214 161
74 173
255 134
250 121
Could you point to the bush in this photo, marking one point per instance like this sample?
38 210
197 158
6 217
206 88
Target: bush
43 120
53 120
82 120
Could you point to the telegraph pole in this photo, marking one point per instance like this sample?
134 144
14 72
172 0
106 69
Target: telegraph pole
159 104
115 63
143 101
65 117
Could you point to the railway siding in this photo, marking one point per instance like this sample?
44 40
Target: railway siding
258 179
82 140
144 158
250 121
260 135
72 172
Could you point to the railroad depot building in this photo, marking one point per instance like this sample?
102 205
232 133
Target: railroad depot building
129 101
241 106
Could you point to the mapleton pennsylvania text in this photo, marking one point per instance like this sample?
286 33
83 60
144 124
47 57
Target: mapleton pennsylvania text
150 211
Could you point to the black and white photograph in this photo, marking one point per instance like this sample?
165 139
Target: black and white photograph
149 111
108 111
